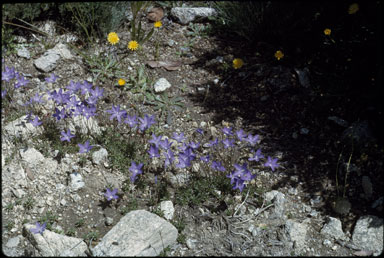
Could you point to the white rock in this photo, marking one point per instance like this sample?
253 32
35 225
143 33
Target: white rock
297 233
47 62
23 52
139 233
31 156
76 181
167 208
13 242
53 244
161 85
333 229
62 50
187 14
100 156
368 234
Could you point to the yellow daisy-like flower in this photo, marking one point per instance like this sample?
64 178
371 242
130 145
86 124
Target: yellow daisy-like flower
133 45
353 8
157 24
237 63
279 54
121 82
113 38
327 32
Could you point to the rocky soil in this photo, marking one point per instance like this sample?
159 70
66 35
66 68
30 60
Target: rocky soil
294 209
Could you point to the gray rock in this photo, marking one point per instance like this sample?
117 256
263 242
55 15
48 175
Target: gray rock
304 131
161 85
13 242
100 156
84 125
167 208
47 62
368 234
23 52
278 200
333 229
76 182
177 180
53 244
32 156
139 233
297 233
186 15
61 50
108 221
338 121
20 128
171 42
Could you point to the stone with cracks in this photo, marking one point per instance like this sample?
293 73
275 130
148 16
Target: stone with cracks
47 62
139 233
333 229
297 233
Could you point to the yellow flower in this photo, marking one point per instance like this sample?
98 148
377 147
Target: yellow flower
279 54
121 82
353 8
157 24
327 32
237 63
113 38
133 45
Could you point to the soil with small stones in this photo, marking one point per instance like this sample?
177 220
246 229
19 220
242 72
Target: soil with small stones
263 97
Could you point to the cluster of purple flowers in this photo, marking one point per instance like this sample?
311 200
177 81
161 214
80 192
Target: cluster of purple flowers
144 123
10 74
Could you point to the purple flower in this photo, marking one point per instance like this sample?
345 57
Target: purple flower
84 148
146 122
116 112
72 102
234 176
200 131
131 121
39 228
111 194
169 157
272 163
184 161
205 158
136 170
247 176
213 143
239 184
89 111
37 98
228 143
241 168
86 87
155 140
52 78
3 93
257 156
252 139
79 109
241 135
36 122
91 100
217 165
178 137
153 152
73 87
97 92
8 74
66 136
183 147
60 97
227 131
194 145
59 114
165 145
21 81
